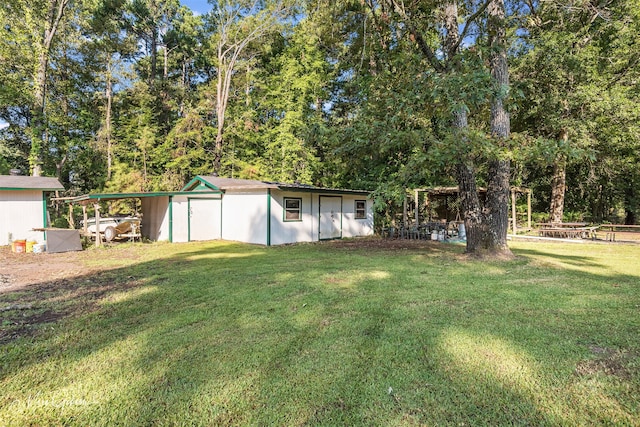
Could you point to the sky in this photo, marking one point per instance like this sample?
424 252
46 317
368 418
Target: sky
197 6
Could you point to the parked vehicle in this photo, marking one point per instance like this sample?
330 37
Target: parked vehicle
114 227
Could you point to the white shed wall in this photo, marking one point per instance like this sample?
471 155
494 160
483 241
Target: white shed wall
244 216
155 221
20 211
352 227
282 231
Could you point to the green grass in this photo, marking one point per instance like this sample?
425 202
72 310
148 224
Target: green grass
320 334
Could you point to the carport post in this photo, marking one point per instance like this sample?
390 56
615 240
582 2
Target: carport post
85 217
96 206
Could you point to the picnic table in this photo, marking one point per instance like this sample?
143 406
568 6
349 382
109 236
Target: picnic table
570 232
561 224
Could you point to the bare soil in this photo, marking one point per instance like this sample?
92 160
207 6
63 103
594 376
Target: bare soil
18 270
37 290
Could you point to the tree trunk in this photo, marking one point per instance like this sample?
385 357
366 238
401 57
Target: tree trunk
154 56
558 184
466 173
497 203
107 124
630 203
38 139
38 134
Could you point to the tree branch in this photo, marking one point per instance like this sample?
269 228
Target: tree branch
422 43
470 20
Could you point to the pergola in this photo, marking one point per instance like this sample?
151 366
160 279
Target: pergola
445 192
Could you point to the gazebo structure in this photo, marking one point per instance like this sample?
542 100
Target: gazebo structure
443 203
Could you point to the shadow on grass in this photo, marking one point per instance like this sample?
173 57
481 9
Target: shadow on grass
236 334
577 260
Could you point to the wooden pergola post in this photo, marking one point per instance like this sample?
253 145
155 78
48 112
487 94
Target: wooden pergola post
529 208
405 216
417 207
513 210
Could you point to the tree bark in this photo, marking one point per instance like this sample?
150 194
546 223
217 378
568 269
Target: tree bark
107 124
466 173
558 184
497 203
38 137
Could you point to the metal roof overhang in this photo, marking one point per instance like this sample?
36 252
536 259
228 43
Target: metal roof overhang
226 184
302 189
88 198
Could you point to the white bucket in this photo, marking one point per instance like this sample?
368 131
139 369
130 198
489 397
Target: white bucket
462 232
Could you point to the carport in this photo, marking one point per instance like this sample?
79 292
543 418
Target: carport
157 213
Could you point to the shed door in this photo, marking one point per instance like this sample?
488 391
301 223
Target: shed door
205 219
330 217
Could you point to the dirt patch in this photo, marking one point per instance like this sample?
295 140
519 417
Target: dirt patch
607 361
380 244
37 290
18 270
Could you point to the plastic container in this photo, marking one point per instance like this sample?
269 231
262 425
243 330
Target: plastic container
29 245
19 246
39 248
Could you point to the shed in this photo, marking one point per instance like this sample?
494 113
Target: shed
250 211
273 213
23 206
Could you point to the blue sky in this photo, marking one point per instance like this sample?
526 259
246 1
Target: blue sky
197 6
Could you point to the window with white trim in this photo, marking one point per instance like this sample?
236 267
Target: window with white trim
361 209
292 209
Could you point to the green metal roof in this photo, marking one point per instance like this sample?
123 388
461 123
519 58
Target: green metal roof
115 196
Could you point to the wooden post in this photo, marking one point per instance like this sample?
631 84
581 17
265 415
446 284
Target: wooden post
98 240
529 208
85 218
405 216
513 210
417 207
72 223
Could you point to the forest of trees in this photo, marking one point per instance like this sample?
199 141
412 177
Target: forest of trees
384 95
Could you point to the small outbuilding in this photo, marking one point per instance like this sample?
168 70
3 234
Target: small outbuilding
23 206
273 213
250 211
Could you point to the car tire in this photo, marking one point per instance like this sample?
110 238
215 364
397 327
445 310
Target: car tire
110 233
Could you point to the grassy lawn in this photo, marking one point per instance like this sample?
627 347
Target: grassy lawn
330 334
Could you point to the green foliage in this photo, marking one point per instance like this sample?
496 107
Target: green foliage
343 95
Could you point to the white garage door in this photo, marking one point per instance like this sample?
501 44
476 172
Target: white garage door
205 219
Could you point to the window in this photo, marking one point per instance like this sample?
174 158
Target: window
293 209
361 209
